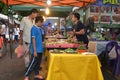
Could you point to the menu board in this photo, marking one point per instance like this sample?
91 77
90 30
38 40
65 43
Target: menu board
94 9
105 9
95 12
105 14
95 17
116 15
105 18
116 10
108 11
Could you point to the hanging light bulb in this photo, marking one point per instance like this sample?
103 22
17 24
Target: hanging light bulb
47 11
49 2
44 18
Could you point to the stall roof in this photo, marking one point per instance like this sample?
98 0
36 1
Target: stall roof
79 3
26 7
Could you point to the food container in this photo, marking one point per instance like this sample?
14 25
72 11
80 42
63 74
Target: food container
80 51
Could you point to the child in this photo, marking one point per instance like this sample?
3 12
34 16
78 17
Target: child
1 45
36 49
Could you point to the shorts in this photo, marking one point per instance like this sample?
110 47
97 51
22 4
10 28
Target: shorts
16 37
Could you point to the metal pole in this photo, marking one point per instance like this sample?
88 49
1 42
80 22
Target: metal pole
84 16
9 30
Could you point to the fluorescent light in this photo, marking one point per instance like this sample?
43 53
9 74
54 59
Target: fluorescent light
42 9
52 18
47 11
44 18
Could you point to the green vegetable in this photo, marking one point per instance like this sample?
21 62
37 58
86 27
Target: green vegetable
69 50
81 47
56 50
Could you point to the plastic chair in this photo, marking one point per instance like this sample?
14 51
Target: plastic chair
110 45
104 55
117 61
105 60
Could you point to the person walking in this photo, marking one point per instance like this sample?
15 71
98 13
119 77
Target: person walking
3 29
36 49
25 27
3 32
1 45
49 28
16 32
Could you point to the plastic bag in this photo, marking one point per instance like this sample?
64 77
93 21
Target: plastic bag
20 51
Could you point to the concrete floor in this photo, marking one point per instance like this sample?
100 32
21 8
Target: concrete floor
14 69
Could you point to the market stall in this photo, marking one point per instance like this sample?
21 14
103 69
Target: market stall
66 61
60 44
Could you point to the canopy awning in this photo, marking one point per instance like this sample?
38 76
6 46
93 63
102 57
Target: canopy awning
79 3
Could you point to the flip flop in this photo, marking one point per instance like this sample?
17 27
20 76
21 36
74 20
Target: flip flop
39 79
26 79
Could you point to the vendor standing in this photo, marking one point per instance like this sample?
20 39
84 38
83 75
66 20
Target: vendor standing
49 28
79 29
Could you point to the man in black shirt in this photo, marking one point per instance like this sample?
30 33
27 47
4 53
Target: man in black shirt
79 29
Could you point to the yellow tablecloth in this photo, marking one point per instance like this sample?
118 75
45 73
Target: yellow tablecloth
74 67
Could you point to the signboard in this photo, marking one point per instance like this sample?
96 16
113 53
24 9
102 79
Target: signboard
107 3
114 2
108 11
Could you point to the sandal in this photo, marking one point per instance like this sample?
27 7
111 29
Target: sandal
26 79
39 78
